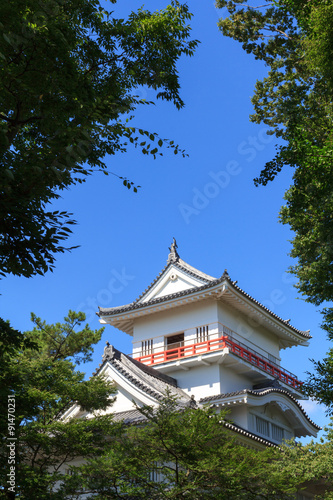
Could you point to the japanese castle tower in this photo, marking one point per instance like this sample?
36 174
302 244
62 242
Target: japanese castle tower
207 341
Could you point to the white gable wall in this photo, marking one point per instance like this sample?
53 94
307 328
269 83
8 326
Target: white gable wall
249 331
124 402
174 280
127 393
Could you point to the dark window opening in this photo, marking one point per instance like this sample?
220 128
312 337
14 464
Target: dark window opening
175 341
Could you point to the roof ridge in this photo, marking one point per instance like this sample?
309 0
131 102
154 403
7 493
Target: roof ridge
146 378
285 321
193 270
135 381
149 287
134 305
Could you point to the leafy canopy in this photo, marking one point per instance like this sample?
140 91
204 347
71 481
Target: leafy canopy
294 38
45 383
182 452
68 80
171 452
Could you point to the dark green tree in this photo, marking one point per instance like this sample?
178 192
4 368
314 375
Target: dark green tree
69 75
184 453
39 385
171 452
294 38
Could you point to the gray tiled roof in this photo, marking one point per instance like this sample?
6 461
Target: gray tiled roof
251 435
109 311
258 392
145 378
129 417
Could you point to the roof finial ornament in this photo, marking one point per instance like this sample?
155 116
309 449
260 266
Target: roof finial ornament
108 352
173 255
225 275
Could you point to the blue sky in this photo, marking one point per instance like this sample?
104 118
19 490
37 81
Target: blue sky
207 201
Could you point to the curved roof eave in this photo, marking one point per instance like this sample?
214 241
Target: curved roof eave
261 393
225 280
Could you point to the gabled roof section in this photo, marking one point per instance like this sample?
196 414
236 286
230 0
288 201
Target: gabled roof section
179 282
176 276
143 384
146 379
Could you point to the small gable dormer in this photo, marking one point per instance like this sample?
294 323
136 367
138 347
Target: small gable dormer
176 277
174 280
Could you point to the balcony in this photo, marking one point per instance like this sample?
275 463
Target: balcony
224 341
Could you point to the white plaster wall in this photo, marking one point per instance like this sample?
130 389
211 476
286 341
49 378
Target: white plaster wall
124 402
176 320
238 415
208 312
231 381
190 337
171 287
200 381
248 330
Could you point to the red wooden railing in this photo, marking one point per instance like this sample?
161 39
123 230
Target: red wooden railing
221 343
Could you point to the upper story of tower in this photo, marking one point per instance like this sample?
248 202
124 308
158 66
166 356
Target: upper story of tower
186 320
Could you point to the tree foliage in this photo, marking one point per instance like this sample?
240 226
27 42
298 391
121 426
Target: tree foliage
186 453
294 38
42 383
69 75
294 100
171 452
